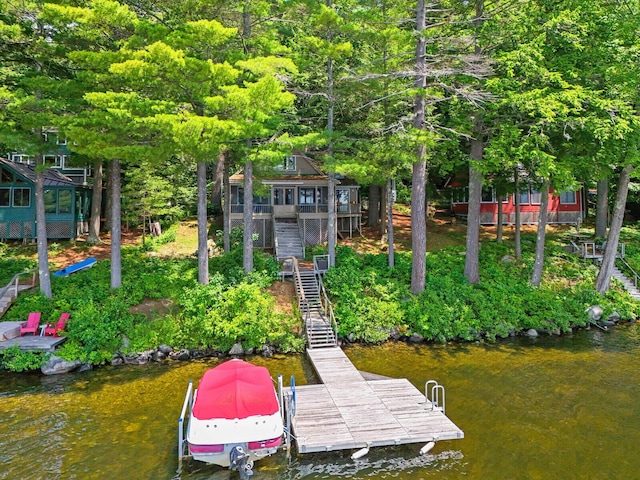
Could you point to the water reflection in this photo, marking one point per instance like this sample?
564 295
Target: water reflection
551 407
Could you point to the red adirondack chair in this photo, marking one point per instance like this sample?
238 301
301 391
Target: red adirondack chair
54 330
32 324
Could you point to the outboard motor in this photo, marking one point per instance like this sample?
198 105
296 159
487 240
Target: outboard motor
239 460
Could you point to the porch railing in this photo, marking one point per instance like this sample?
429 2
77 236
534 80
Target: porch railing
256 209
349 209
313 208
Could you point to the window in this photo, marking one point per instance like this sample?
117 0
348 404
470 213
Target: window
259 200
322 195
536 197
568 197
342 196
4 197
49 201
283 196
290 163
306 196
5 176
18 158
61 141
488 195
523 196
64 201
459 195
21 197
237 195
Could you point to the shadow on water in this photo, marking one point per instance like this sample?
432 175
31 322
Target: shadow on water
392 462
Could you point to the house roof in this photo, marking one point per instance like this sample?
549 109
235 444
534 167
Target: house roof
52 178
306 169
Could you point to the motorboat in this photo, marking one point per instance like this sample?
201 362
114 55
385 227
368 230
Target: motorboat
235 417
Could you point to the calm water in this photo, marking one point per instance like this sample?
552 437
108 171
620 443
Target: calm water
550 408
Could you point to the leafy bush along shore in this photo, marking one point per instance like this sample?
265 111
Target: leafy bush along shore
105 322
371 301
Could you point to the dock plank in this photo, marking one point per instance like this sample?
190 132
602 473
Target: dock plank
346 411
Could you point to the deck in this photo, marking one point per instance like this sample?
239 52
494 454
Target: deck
10 336
348 412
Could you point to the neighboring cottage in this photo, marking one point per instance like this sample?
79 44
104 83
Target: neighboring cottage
564 208
296 200
66 203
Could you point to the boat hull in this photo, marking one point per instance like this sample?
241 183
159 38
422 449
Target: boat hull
211 440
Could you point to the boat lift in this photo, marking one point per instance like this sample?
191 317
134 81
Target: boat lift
287 403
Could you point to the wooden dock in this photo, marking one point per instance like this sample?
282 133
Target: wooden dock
348 412
10 336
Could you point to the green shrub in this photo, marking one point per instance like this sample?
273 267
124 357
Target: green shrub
15 360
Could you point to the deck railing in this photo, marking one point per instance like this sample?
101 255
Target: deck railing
313 208
256 209
15 282
348 209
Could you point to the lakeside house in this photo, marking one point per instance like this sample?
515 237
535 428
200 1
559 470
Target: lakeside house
564 207
295 194
66 203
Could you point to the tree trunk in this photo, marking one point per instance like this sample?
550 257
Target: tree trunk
536 277
332 217
332 220
41 230
384 206
116 212
247 238
96 205
108 208
472 258
500 223
471 264
389 195
518 245
226 217
216 190
610 252
602 208
203 228
374 205
419 175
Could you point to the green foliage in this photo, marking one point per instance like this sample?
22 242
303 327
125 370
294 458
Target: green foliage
371 300
219 314
15 360
11 266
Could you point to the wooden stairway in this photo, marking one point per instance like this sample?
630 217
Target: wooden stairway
287 239
9 293
629 286
315 308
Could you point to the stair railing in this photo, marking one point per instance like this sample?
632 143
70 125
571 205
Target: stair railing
327 306
629 269
15 282
275 237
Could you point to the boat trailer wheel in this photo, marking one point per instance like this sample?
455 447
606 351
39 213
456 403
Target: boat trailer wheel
239 460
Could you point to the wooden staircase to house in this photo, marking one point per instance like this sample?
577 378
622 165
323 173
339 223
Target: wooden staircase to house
629 285
287 239
9 293
316 309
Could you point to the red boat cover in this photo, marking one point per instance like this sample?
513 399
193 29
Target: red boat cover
235 389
